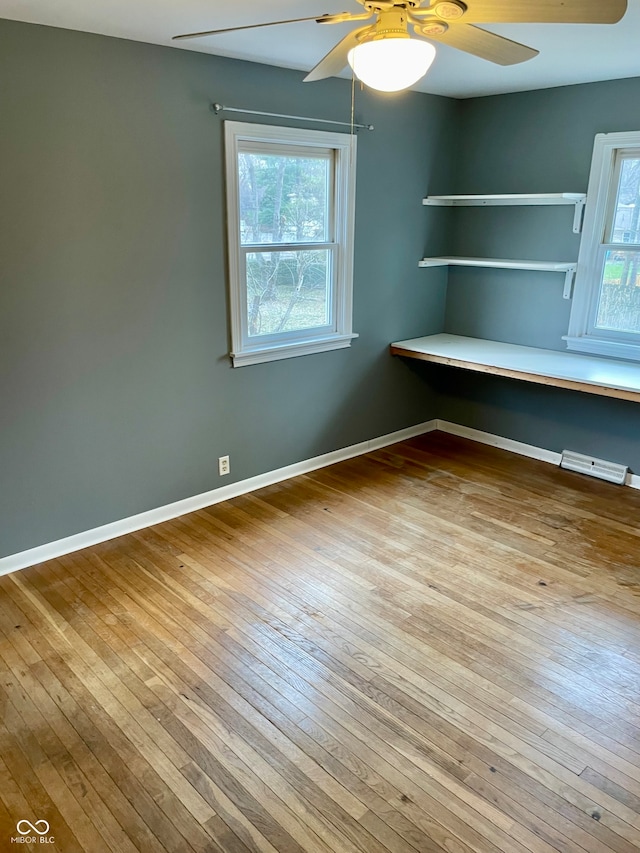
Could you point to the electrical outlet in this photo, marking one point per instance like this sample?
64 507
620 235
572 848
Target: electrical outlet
223 466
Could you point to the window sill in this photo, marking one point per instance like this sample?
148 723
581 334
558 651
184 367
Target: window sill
293 350
602 346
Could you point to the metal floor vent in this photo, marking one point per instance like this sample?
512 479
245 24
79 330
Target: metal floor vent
599 468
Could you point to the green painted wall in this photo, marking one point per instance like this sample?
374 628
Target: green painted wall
534 142
116 392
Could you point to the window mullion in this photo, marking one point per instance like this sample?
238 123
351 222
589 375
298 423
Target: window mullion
620 247
286 247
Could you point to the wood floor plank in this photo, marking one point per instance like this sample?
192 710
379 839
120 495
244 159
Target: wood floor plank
146 598
108 691
433 647
210 675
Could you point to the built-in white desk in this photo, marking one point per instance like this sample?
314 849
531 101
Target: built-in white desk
546 367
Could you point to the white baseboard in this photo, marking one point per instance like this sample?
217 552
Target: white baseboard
633 480
165 513
498 441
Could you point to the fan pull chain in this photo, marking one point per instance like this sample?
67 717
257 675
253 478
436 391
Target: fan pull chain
353 99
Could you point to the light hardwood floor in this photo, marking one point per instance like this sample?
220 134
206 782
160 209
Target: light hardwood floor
435 647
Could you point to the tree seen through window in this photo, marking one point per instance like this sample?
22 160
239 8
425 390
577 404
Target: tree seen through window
284 202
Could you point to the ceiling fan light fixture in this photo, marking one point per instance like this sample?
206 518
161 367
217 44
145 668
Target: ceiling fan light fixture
392 63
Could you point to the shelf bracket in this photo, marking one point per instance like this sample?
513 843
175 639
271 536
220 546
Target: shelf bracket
578 216
568 282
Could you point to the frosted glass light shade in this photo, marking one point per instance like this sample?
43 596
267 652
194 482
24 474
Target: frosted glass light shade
391 64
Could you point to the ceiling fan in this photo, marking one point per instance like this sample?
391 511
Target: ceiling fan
382 51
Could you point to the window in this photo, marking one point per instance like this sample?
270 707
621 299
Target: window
605 316
290 203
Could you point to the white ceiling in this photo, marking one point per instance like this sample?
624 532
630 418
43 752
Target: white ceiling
568 53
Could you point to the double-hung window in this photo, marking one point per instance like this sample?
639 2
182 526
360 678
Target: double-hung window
605 315
290 207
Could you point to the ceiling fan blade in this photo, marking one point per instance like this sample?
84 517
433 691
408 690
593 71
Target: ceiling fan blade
336 59
544 11
486 45
321 19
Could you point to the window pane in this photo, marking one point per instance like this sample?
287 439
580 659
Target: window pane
283 199
627 210
619 306
287 291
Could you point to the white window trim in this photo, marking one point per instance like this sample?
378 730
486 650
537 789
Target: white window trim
305 343
580 338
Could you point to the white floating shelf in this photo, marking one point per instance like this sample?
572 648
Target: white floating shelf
568 268
577 199
500 263
504 199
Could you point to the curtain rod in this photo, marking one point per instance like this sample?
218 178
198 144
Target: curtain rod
217 108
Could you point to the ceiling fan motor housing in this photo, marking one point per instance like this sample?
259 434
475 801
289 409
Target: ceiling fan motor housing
390 24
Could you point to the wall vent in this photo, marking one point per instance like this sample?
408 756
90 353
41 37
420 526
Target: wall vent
594 467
